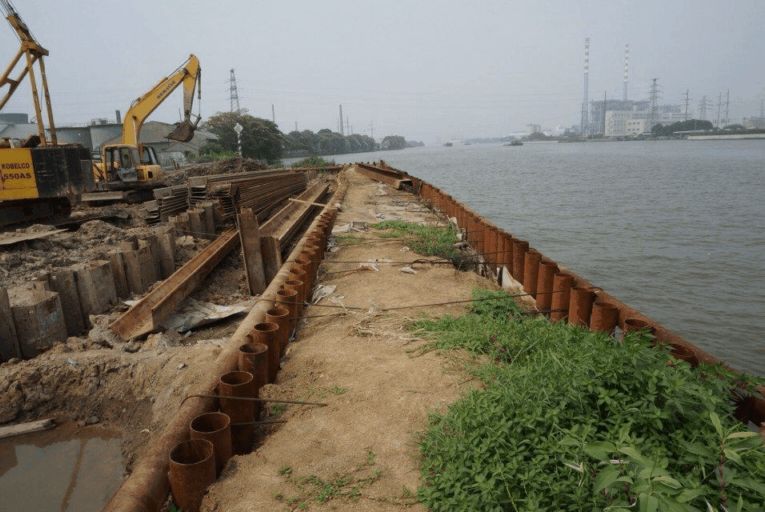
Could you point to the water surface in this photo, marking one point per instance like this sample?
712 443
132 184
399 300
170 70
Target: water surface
674 228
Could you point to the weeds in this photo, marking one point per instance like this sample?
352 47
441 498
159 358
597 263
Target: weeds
425 240
568 419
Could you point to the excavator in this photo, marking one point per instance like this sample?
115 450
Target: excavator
130 167
38 177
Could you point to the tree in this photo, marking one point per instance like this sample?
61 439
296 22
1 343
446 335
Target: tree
661 130
393 142
261 138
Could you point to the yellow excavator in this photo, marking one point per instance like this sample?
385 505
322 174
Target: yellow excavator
38 177
130 166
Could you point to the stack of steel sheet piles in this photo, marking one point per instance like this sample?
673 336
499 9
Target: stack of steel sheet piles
167 201
262 191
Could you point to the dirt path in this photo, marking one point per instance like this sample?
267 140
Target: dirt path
360 452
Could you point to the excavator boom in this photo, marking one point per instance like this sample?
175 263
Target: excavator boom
188 75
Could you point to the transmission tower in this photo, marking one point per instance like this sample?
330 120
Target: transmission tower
233 93
653 115
273 113
727 108
584 123
719 107
704 104
687 101
342 128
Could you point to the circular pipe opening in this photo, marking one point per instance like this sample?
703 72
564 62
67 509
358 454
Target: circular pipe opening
237 378
253 348
277 312
210 422
266 326
194 451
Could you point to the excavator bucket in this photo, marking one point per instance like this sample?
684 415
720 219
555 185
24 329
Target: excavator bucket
184 131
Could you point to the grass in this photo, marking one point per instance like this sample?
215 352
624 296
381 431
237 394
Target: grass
570 420
426 240
313 161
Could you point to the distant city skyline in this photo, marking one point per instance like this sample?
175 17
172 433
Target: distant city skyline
426 70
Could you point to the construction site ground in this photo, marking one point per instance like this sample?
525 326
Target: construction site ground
361 451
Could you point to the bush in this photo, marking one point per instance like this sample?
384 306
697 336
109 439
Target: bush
569 419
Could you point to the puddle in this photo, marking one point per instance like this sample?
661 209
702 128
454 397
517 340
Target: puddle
64 469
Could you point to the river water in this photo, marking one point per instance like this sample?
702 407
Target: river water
673 228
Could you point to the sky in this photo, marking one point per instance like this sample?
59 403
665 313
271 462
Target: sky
428 70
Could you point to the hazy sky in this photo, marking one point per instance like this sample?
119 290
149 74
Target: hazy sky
429 70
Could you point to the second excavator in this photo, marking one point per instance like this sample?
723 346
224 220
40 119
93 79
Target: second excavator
131 166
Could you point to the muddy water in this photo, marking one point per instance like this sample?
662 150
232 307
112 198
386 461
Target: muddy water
60 470
674 228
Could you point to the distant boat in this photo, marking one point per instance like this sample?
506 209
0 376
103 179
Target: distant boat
515 143
448 144
467 143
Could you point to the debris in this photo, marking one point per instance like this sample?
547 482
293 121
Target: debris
358 225
182 366
71 362
405 249
132 347
25 237
92 420
26 428
460 245
341 228
193 314
322 291
407 270
369 266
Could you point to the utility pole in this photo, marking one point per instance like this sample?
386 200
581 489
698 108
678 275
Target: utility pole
626 70
347 126
719 106
687 101
273 113
342 129
233 93
727 108
654 97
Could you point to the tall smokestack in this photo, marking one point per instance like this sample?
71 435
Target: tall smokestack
118 116
626 70
584 124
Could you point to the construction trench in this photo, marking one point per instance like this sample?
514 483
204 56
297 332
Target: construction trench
317 378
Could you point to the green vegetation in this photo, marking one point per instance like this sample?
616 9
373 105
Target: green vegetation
393 142
327 142
568 419
681 126
425 240
313 161
261 138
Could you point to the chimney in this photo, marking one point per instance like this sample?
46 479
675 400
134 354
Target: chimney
118 116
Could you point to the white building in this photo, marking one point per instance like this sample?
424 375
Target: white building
631 123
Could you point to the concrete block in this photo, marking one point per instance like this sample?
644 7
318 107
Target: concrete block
9 342
38 318
64 282
95 287
117 263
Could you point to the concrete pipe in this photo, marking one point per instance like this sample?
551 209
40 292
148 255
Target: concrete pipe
531 271
280 315
239 384
580 306
604 317
561 296
216 428
253 358
192 471
289 299
520 248
267 333
547 271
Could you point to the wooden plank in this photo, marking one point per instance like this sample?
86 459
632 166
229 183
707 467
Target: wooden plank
17 239
26 428
249 238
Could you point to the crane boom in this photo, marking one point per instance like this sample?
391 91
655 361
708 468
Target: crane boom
188 75
33 53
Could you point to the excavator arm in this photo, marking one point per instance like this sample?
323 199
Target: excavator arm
188 75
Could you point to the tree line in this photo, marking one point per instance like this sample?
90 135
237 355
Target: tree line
261 139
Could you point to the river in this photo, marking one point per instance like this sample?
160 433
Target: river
673 228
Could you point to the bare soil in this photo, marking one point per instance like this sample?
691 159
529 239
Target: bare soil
359 452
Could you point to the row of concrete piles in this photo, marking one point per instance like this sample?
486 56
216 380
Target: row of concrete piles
60 304
565 296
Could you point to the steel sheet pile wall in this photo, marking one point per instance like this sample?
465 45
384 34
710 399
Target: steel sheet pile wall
260 190
562 294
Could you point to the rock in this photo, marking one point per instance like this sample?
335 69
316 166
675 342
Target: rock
182 366
92 420
132 347
407 270
14 360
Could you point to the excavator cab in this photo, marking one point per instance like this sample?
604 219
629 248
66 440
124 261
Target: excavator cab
127 164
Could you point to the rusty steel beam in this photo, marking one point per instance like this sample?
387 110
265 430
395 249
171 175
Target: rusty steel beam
393 178
147 314
288 221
